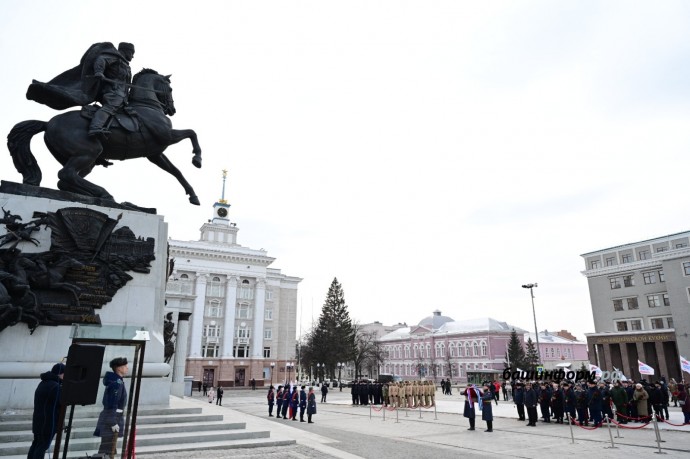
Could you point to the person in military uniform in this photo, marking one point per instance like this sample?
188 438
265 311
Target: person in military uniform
619 397
545 402
302 403
286 401
519 399
581 404
569 398
110 420
595 399
487 410
112 68
558 403
279 401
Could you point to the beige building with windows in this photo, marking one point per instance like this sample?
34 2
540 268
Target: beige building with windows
235 316
640 294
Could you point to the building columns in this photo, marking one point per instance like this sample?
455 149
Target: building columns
661 358
229 317
198 315
257 347
625 360
180 357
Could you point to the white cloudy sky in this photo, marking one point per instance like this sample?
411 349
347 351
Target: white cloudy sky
430 154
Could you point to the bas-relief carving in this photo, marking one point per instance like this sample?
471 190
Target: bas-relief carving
86 264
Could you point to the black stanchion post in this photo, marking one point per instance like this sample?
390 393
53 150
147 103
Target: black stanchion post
608 424
570 423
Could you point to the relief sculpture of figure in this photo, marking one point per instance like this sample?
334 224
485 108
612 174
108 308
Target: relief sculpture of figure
169 337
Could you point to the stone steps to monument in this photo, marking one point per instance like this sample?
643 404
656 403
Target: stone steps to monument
141 420
92 412
87 432
155 442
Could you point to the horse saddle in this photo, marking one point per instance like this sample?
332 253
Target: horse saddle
127 119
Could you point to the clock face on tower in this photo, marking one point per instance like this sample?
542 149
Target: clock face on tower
222 212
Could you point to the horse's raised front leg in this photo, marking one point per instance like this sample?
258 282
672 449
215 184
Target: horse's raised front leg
164 163
179 134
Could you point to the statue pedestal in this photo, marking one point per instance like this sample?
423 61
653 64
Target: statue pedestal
140 302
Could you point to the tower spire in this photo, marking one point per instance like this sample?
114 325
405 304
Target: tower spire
222 195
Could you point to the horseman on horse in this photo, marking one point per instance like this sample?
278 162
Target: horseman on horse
141 130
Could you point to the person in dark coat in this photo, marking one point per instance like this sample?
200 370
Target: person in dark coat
619 397
558 403
684 402
606 400
271 397
545 402
581 403
324 393
629 387
46 411
487 410
110 420
519 399
354 391
472 396
294 403
504 389
595 400
531 404
311 405
569 398
279 401
219 396
656 399
286 401
302 403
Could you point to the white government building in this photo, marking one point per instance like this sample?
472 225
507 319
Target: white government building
235 317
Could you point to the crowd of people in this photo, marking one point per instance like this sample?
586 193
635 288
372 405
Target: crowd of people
288 400
589 402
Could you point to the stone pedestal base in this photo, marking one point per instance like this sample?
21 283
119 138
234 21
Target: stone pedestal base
139 303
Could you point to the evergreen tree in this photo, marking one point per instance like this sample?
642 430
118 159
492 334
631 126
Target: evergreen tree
531 356
333 339
515 357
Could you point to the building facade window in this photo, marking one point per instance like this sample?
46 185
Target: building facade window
681 245
669 321
213 309
632 303
268 333
622 326
407 351
269 295
268 314
618 305
615 282
656 322
627 258
595 264
686 268
267 353
210 350
483 349
240 351
665 298
649 277
653 301
215 288
211 331
636 324
610 261
243 311
629 280
643 254
661 276
246 293
661 249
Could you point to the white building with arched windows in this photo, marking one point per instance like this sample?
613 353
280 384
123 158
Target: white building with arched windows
235 316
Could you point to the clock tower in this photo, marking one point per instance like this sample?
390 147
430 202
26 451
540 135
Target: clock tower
219 228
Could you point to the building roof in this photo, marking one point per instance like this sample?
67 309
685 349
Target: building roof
548 338
484 324
434 321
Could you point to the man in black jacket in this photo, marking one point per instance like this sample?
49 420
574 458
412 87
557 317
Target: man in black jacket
531 404
46 410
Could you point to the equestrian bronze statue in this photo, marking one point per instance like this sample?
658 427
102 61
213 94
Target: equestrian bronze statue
130 122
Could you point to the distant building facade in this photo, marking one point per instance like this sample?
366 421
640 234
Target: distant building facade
640 295
559 352
238 314
440 347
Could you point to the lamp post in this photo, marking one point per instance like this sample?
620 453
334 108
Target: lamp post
319 370
273 365
340 368
534 314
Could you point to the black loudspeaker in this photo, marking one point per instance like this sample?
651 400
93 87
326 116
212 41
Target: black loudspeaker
82 374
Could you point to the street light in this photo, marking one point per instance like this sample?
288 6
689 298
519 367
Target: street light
340 367
273 365
536 331
320 369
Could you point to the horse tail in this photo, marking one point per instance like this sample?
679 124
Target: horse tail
19 144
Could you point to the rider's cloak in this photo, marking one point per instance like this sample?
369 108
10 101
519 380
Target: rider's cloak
75 87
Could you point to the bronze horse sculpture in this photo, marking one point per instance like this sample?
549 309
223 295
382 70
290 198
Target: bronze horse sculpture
66 137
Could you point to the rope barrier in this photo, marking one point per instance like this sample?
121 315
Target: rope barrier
624 426
677 425
596 426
